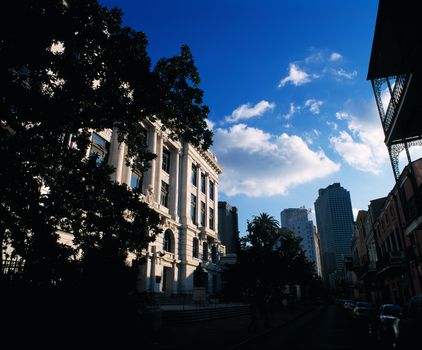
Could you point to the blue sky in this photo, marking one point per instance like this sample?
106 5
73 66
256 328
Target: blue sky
285 81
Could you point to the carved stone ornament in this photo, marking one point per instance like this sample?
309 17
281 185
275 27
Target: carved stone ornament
150 194
164 222
202 233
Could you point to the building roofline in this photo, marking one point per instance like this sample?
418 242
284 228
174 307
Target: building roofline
396 46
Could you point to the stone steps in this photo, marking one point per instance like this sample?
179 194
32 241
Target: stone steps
172 299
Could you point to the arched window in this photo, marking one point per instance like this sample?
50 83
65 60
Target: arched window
168 245
195 247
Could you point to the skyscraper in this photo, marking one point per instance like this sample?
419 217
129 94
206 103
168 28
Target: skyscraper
334 216
228 227
296 219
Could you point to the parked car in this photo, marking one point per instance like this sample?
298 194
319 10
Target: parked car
349 304
381 326
339 302
362 310
408 328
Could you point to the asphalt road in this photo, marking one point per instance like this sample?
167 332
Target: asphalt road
326 327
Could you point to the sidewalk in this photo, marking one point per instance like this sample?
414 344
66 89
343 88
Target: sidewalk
197 307
228 333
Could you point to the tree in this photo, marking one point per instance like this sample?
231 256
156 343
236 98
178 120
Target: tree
271 255
263 230
72 67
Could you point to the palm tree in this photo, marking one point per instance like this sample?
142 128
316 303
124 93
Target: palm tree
263 230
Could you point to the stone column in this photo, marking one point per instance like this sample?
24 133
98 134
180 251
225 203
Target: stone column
184 191
158 165
207 198
128 175
198 194
120 161
142 277
117 153
174 278
152 147
216 207
152 273
174 183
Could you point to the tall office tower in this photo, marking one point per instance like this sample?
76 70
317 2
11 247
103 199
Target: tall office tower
228 228
317 252
334 216
296 219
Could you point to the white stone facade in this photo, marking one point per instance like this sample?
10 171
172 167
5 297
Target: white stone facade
188 206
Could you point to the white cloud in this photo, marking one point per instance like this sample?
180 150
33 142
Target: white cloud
245 111
292 110
362 145
287 126
210 124
257 163
332 125
343 115
355 212
356 154
322 63
341 73
415 153
313 105
335 56
385 98
311 136
317 56
296 77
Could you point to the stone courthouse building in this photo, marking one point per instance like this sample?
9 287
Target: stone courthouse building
182 186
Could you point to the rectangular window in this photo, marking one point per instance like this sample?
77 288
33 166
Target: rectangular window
205 251
194 174
164 194
195 248
193 208
135 181
98 140
211 219
166 161
99 148
202 213
203 183
211 189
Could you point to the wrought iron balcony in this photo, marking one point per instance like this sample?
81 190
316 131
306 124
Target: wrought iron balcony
390 260
396 93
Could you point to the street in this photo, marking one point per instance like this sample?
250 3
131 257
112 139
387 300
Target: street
326 327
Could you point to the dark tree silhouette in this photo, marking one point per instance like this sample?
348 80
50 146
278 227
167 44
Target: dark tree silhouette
70 67
271 255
